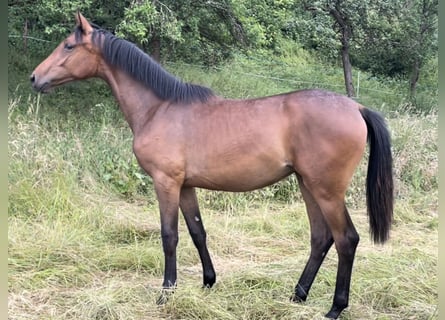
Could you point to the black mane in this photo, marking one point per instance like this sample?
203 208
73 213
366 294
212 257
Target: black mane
142 67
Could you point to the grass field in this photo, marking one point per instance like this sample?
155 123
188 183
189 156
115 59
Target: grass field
84 230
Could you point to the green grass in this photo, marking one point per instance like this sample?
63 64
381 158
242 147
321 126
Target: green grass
84 230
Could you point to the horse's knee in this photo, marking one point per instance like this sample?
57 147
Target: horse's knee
169 241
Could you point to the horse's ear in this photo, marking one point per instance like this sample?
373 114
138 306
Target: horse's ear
83 24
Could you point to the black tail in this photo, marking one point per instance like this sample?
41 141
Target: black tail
379 181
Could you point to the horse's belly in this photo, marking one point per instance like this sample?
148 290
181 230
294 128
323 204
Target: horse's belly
238 177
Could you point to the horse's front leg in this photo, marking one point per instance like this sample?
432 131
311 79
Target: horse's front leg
189 207
167 191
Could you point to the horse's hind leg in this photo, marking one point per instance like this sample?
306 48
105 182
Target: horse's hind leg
321 241
189 207
346 240
330 223
331 203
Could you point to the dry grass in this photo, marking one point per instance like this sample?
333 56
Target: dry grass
114 270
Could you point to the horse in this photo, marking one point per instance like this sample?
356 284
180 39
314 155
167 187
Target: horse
185 136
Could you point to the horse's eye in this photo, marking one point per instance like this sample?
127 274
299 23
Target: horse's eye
68 47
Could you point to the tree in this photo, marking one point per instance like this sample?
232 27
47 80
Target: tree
344 27
346 16
393 38
421 26
146 22
52 20
399 37
203 30
211 30
197 31
265 22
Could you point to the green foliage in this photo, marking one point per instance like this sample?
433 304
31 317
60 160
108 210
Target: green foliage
389 38
321 31
395 35
265 22
61 11
211 31
42 14
192 30
124 175
145 19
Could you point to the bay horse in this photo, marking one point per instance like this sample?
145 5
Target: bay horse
186 137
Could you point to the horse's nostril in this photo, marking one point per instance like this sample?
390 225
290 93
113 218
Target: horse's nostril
32 78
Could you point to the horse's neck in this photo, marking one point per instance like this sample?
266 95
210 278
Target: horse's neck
137 103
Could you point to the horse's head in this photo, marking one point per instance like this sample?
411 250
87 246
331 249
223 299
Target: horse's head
75 58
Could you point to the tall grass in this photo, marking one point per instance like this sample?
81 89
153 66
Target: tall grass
84 233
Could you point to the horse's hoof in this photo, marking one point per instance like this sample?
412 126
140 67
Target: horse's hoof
334 313
209 280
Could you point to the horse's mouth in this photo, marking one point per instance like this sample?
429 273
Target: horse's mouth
44 88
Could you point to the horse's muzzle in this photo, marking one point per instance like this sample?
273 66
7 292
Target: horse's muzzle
39 87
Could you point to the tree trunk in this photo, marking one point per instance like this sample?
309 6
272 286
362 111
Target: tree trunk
156 48
347 69
155 41
414 78
346 34
25 37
